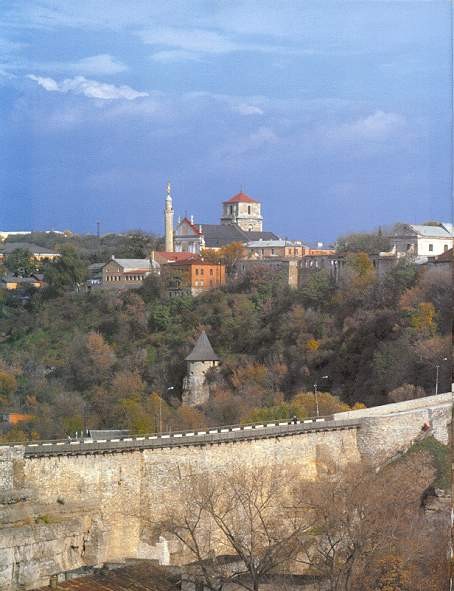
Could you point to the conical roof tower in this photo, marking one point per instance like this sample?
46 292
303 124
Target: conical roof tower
203 351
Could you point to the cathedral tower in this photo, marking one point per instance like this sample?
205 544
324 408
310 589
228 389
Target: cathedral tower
168 221
244 212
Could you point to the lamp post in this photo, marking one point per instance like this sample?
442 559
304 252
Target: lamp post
437 374
160 408
316 395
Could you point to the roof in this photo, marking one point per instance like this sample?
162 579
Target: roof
218 235
195 260
202 351
195 227
133 264
447 256
241 198
15 279
272 243
163 257
142 575
9 247
429 231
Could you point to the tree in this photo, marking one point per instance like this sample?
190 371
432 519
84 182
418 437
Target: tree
67 271
244 513
228 255
371 243
363 514
21 262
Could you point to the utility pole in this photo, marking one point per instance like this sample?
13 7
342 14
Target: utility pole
316 400
316 395
437 374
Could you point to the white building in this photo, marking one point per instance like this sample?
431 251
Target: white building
422 240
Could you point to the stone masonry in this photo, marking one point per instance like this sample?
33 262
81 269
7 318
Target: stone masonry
64 512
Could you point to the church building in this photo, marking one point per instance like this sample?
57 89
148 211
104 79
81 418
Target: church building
241 221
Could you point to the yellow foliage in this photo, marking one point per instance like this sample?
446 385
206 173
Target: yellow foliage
423 318
328 404
313 345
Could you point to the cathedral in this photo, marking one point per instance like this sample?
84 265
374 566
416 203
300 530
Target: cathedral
241 221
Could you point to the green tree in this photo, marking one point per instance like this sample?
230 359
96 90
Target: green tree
21 262
67 271
371 243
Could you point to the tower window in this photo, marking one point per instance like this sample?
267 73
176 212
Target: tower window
249 209
231 209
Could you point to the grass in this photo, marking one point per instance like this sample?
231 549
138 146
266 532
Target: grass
440 457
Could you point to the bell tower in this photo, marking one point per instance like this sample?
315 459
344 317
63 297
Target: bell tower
244 212
168 221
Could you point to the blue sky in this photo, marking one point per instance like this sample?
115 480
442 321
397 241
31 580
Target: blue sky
335 114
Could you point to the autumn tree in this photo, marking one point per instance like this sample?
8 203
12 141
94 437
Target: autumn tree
363 514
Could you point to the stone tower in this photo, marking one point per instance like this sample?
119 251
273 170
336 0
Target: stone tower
199 361
168 221
243 211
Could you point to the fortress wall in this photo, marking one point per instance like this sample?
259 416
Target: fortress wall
380 437
101 506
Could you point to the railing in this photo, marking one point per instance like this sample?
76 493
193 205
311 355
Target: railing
222 434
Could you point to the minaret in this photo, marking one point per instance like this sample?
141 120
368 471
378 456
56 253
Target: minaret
168 221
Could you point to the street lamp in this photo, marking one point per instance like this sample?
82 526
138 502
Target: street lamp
160 408
437 367
316 395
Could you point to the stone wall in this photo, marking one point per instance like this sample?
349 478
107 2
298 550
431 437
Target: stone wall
65 512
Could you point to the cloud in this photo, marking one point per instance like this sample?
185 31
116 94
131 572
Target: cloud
97 64
174 55
377 127
88 88
245 109
183 44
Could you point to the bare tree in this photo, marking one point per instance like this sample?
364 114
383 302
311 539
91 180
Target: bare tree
363 515
245 513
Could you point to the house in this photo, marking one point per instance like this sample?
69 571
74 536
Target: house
39 253
14 282
422 240
241 222
191 277
127 273
261 249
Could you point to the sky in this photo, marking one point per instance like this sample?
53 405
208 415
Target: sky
335 114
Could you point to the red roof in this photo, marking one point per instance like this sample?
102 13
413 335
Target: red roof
172 257
241 198
193 226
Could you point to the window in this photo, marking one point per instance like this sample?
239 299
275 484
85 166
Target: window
408 246
211 271
249 209
211 283
431 247
196 271
296 251
272 251
231 209
201 271
446 247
